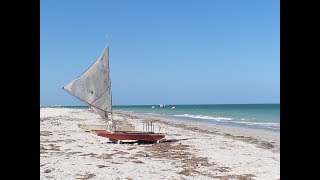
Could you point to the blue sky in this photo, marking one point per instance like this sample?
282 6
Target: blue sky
164 51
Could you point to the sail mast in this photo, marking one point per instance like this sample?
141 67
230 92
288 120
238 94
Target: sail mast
109 75
112 123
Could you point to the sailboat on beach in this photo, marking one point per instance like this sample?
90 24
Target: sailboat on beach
93 87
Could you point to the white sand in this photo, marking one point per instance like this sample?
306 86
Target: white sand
193 152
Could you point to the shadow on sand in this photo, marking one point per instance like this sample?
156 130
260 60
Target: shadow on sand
149 142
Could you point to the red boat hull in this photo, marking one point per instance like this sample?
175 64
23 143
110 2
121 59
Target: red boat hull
130 135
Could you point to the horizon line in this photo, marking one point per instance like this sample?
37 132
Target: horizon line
168 104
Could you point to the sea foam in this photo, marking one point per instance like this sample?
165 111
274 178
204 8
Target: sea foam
205 117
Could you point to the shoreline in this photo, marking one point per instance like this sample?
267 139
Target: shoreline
190 152
264 138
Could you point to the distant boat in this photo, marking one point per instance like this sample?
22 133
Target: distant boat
152 107
173 107
162 105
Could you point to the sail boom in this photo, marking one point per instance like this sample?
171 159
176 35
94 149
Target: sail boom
84 100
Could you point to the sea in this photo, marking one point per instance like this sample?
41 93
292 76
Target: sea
256 116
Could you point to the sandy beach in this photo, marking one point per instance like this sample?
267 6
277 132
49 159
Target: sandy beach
191 151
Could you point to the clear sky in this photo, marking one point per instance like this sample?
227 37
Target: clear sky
164 51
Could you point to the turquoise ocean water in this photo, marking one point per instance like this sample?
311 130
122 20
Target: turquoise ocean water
257 116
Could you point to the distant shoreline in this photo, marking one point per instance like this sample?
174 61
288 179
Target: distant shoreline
248 116
239 133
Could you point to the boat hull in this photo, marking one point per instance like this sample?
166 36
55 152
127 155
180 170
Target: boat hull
130 135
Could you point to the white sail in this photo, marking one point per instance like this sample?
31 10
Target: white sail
94 86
